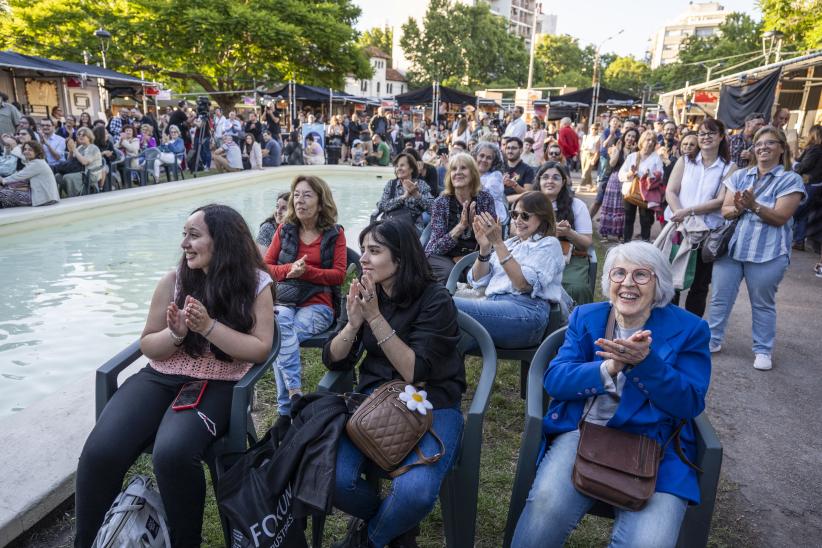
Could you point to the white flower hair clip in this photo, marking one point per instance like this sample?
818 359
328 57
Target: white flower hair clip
416 400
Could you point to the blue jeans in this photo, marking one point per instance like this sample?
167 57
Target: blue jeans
602 178
412 495
296 325
801 216
762 280
513 321
554 507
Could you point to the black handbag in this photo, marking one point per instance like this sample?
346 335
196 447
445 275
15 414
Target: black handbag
718 240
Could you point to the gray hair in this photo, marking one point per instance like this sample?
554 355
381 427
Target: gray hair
495 150
174 127
565 121
645 255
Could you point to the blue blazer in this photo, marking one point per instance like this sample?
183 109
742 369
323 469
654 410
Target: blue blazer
668 386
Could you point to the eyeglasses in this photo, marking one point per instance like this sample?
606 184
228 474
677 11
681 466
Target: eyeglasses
769 144
551 177
554 153
640 276
525 216
706 134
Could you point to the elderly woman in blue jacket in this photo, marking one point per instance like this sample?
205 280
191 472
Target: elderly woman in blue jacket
650 377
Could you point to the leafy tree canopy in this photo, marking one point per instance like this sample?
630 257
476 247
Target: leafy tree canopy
799 20
211 45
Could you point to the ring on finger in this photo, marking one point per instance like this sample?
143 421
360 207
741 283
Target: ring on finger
621 349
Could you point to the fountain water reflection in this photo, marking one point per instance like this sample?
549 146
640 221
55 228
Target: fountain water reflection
75 295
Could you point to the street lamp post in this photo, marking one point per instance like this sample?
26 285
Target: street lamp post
709 70
105 41
537 11
595 82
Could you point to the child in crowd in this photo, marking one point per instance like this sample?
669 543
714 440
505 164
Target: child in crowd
357 154
528 155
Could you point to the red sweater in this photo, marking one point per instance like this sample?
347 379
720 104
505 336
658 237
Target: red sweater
314 273
568 142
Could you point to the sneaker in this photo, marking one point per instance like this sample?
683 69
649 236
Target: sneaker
763 362
714 347
356 536
817 269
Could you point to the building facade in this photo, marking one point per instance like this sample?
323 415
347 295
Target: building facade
700 19
522 16
385 81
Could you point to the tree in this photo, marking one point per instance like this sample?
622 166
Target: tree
209 45
382 39
626 74
560 54
799 20
464 45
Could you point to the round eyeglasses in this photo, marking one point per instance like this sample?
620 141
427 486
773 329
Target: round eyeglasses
640 276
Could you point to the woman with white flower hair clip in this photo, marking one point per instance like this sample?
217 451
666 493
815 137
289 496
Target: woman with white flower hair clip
406 324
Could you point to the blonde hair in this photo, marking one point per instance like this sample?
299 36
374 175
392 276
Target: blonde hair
327 209
462 157
144 127
785 158
87 132
645 137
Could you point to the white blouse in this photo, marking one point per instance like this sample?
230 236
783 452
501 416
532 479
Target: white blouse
701 184
651 165
541 261
493 185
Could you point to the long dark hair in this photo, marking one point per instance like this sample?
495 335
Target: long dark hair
413 272
272 219
229 289
621 145
565 200
712 124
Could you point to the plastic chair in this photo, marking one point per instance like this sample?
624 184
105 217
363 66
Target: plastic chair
460 488
697 522
426 234
523 355
175 167
241 431
146 170
115 164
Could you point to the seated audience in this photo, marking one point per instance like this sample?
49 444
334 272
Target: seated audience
307 259
313 151
252 153
204 324
272 151
293 150
521 276
407 325
452 215
649 376
382 152
269 226
34 185
103 141
54 146
428 172
406 197
172 146
489 164
90 159
227 157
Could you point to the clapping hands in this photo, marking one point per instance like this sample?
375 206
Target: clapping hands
297 268
487 230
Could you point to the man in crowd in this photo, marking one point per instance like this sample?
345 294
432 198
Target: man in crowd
517 126
517 175
272 120
231 126
179 118
379 125
115 127
254 127
780 120
272 150
568 140
668 149
742 143
228 156
382 153
219 123
54 146
9 115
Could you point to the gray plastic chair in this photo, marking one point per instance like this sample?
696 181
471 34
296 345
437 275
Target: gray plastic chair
697 522
522 355
592 269
145 171
241 432
460 489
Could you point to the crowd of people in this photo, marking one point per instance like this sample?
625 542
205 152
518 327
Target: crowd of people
500 188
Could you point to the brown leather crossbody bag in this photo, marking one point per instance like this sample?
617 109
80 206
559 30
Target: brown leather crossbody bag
386 431
617 467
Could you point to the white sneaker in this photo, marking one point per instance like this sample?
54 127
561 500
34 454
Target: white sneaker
763 362
714 347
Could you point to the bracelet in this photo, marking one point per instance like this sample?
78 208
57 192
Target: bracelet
210 329
484 258
393 332
506 259
178 341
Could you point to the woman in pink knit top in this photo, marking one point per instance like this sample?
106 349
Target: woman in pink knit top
210 319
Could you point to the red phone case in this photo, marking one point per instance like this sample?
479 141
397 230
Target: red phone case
180 407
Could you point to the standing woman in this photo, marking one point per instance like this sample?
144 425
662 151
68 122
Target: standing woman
809 167
538 134
210 319
573 225
612 215
764 198
307 258
645 162
521 275
696 188
407 325
590 155
452 214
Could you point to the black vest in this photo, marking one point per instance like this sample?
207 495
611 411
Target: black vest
292 292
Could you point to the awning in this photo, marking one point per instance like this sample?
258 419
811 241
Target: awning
11 59
426 95
317 94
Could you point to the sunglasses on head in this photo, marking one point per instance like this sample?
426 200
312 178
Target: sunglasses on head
525 216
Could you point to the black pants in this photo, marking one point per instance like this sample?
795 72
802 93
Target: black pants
138 415
646 219
698 294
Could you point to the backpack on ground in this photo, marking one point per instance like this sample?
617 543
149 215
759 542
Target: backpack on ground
136 519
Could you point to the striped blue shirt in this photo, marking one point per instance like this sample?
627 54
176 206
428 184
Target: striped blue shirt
754 240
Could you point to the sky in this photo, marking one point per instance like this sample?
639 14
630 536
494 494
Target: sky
639 18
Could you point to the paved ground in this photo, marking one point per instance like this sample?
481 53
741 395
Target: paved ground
769 422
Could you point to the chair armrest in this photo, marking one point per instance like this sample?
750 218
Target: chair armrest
106 377
337 381
456 272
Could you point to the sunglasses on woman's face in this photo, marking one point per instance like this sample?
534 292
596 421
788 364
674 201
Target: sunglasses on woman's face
515 215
